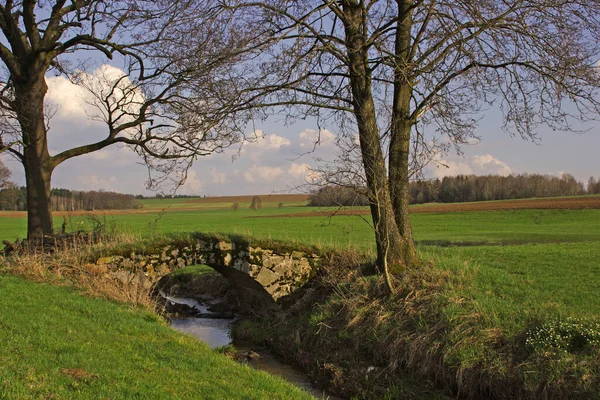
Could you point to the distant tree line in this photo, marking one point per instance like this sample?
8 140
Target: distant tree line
15 199
337 196
464 188
593 186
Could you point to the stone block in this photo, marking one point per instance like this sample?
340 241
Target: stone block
266 277
141 280
272 290
272 261
123 276
105 260
241 265
224 246
204 245
253 270
94 269
163 269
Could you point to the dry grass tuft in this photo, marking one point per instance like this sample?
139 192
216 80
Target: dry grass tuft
69 265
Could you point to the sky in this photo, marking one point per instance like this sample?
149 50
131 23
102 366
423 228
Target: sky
281 158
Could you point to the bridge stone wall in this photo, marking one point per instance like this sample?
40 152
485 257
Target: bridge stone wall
278 272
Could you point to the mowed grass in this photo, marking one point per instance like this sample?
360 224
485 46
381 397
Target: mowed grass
61 345
513 284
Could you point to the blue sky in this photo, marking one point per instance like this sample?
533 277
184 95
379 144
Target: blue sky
274 163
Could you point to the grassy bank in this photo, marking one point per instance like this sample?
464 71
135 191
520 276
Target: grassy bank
454 325
59 344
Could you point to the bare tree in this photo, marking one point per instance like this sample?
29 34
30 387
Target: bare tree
399 72
591 185
256 203
174 56
5 175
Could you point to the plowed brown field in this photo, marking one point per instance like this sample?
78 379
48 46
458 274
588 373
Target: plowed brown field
563 203
193 205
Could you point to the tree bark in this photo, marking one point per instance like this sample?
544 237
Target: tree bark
388 239
401 128
29 98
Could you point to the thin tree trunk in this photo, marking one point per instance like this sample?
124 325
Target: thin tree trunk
388 239
400 133
37 161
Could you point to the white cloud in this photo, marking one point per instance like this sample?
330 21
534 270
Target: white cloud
484 164
192 184
310 137
266 142
261 147
69 98
218 178
487 164
95 182
85 99
299 170
274 142
258 173
304 172
451 168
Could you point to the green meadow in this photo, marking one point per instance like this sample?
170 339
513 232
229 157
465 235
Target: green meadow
515 266
544 260
61 345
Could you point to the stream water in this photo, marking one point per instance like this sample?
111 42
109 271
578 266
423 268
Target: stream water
216 332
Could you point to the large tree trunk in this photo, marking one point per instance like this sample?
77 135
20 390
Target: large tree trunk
400 133
38 164
388 238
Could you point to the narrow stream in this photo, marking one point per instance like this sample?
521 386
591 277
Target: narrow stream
216 332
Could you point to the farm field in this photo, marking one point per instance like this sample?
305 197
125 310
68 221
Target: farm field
499 222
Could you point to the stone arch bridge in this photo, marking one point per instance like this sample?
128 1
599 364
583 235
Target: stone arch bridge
276 271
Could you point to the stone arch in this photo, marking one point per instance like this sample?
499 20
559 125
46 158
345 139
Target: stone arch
277 271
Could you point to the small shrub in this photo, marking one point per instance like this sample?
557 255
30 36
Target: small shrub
256 203
280 205
235 206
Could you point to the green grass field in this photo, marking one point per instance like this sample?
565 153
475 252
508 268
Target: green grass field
519 265
61 345
546 258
